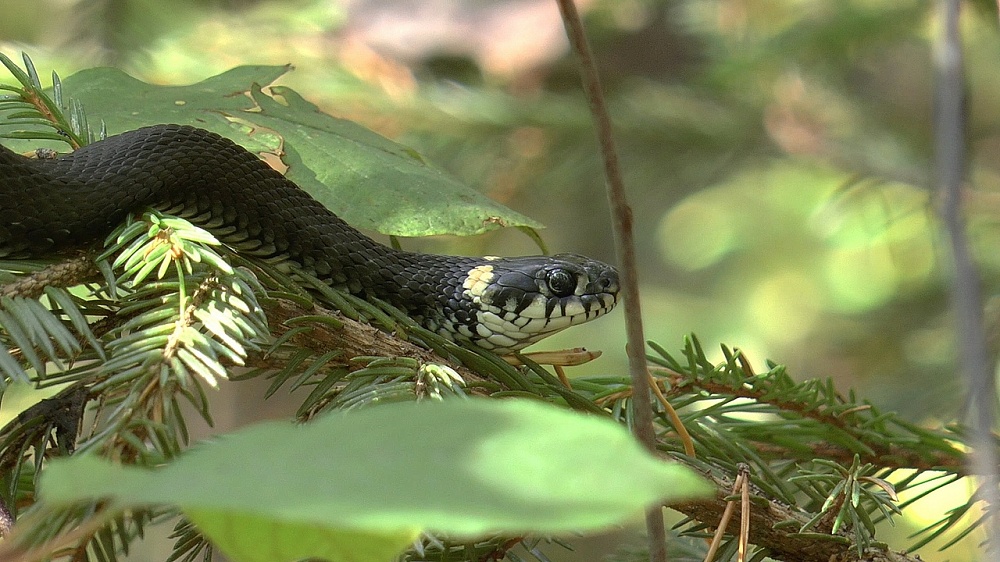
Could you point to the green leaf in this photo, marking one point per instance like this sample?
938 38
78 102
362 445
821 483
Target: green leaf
368 180
352 481
252 538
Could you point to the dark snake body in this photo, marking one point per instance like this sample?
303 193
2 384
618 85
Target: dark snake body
503 304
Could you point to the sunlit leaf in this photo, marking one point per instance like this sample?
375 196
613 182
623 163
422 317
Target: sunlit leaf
462 467
368 180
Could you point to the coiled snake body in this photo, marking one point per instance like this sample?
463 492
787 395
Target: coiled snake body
502 304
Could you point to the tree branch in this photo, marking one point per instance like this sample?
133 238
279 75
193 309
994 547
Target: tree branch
621 216
354 338
775 526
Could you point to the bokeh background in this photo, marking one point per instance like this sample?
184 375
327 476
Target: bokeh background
777 152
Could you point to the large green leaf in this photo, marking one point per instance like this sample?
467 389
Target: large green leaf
368 180
366 481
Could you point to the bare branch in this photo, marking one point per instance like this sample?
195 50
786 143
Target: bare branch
625 247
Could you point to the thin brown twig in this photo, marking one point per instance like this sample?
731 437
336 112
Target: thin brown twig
720 530
675 419
621 216
744 512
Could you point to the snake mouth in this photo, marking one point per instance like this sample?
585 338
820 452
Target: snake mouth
506 331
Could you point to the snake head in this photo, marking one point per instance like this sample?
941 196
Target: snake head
518 301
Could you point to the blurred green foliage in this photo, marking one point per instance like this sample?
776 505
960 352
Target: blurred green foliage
777 152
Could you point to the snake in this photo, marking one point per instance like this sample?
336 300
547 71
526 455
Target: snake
502 304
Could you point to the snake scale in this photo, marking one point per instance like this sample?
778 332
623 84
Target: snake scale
503 304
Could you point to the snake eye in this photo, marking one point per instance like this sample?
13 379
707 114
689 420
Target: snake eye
561 282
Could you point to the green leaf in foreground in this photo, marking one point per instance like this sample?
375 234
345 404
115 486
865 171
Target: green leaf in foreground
367 481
